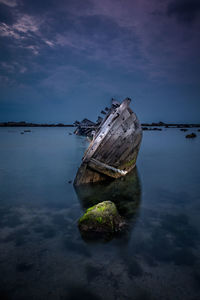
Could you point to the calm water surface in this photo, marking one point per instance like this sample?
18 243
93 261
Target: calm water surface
42 254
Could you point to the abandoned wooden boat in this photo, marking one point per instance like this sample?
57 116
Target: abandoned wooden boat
113 151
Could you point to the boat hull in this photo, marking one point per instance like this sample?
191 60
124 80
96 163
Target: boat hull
114 149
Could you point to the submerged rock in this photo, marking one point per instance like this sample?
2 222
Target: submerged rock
125 192
184 129
158 129
102 218
191 136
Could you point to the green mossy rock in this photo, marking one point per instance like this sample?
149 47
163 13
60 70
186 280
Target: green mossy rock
101 218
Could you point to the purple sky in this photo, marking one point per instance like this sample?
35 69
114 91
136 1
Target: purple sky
64 60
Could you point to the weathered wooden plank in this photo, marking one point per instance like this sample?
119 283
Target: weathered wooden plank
115 133
116 144
105 128
127 147
86 175
105 169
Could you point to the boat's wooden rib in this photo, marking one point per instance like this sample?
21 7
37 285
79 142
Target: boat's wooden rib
105 169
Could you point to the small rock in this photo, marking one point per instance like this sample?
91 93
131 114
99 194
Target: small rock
191 136
70 133
22 132
101 219
158 129
70 181
27 130
184 129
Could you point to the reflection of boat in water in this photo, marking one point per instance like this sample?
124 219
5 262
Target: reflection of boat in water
125 192
114 148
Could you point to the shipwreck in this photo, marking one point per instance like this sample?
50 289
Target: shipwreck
114 147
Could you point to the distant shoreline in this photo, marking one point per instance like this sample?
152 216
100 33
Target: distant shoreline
159 124
26 124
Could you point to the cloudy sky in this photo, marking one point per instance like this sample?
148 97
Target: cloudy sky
64 60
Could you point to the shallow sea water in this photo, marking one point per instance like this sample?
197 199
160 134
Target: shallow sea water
42 254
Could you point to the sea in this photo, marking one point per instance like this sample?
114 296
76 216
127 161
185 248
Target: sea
42 252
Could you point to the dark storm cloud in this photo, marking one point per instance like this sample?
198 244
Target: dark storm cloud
37 7
185 11
103 31
10 3
64 51
6 14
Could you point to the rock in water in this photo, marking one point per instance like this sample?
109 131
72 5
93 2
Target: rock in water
191 136
101 219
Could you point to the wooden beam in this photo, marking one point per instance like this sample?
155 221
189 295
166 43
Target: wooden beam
106 169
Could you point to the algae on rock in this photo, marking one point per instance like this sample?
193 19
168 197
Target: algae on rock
102 218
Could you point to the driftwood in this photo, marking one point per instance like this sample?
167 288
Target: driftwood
85 127
114 148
